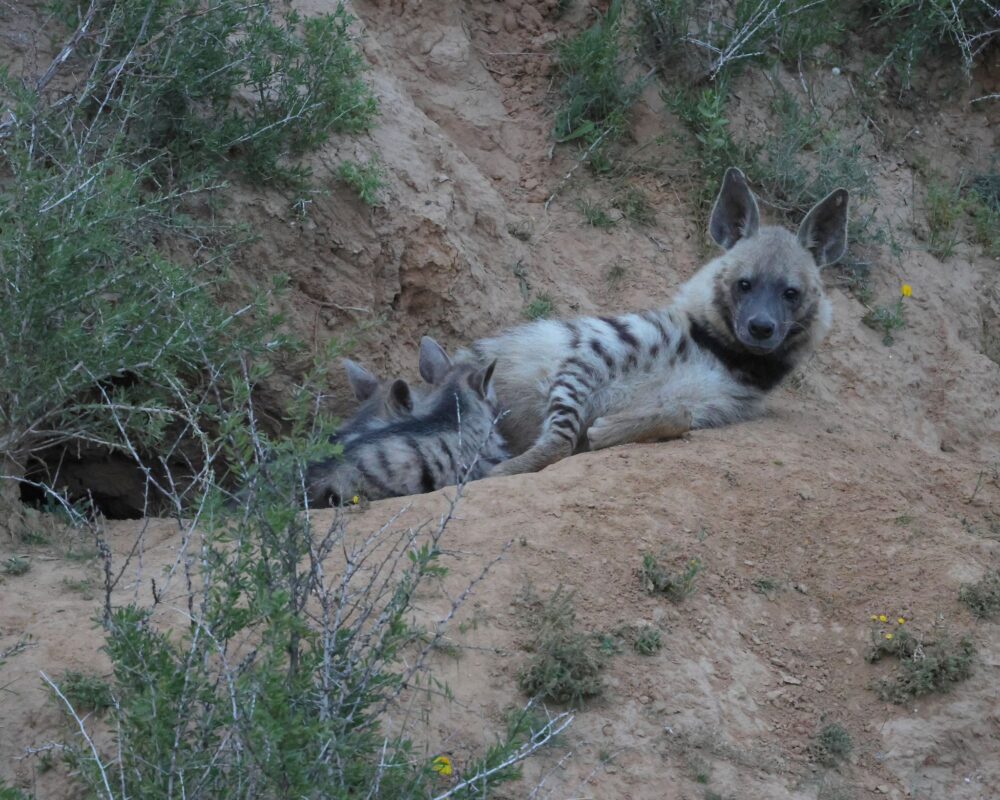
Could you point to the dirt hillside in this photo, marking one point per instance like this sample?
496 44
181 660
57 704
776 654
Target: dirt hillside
871 485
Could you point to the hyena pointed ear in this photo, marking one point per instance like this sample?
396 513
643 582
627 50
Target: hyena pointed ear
824 230
362 381
482 381
735 214
400 399
434 361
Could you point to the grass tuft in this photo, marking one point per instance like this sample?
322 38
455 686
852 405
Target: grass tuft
983 597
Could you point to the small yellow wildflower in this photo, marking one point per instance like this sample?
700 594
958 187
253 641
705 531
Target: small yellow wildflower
900 620
906 290
356 499
883 618
888 636
874 617
442 765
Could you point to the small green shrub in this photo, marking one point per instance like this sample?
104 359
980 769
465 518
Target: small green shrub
925 667
595 215
946 210
367 179
596 95
983 597
539 308
887 320
11 793
566 663
648 641
634 205
16 565
86 692
833 745
657 579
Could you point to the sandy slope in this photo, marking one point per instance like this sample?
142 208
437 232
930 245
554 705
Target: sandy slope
852 493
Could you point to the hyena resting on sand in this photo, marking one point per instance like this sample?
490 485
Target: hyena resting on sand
408 444
736 328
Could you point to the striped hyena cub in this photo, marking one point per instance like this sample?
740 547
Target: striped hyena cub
384 402
733 332
448 437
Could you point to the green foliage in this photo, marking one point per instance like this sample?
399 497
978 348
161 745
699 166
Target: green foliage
366 179
595 215
634 205
887 320
648 641
657 579
11 793
833 745
200 87
596 94
540 307
86 692
918 29
945 214
16 565
983 597
566 663
924 666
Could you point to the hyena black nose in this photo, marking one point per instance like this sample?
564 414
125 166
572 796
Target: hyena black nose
761 328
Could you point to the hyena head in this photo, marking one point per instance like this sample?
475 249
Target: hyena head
765 293
395 400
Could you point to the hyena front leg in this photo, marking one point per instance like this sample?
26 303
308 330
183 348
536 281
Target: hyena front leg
566 411
650 425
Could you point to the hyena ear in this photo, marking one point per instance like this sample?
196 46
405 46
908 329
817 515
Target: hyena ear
400 399
824 230
735 214
434 361
362 381
482 381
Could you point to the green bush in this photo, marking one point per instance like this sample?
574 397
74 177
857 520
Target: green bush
983 596
925 667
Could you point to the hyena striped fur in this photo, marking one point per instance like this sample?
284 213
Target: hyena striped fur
734 331
384 402
450 438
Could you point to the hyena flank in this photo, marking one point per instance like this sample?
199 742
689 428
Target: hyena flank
449 437
384 402
734 331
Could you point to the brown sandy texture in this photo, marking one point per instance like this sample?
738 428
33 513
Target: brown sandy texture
870 485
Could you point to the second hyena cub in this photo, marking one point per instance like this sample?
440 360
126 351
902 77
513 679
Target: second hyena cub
734 331
449 438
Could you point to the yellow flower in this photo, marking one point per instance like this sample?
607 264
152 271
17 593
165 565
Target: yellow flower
906 290
442 765
888 636
883 618
874 617
356 499
900 620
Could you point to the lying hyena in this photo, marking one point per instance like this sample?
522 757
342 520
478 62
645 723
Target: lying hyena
449 437
384 402
735 329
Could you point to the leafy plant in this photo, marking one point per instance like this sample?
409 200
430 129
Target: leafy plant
366 179
86 692
833 744
657 579
983 596
924 666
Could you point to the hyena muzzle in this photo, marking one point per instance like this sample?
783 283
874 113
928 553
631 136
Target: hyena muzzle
450 437
736 328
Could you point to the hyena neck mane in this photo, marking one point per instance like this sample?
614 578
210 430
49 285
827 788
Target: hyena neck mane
760 371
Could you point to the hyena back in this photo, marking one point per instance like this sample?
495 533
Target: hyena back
733 332
450 438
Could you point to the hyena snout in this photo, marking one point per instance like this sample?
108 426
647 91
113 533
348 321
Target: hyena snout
761 327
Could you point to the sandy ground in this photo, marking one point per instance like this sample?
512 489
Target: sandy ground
869 486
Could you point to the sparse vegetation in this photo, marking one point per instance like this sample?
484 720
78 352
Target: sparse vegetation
540 307
833 745
634 206
983 596
886 320
925 667
367 180
657 579
566 663
16 565
86 692
765 586
946 211
647 641
596 93
595 215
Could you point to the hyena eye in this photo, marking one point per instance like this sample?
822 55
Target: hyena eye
745 285
791 295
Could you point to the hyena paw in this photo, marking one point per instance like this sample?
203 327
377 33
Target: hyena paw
504 468
602 433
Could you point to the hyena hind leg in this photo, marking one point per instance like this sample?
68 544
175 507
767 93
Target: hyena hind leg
547 450
631 426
